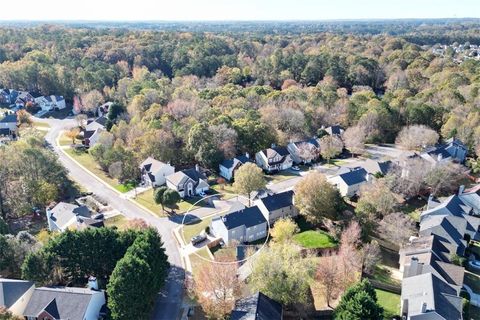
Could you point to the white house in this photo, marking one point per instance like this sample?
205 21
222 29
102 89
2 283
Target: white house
274 159
228 167
49 103
304 151
155 172
189 182
65 303
15 294
65 215
453 149
334 130
93 130
349 183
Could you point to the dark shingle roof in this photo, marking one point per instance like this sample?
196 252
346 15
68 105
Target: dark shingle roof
194 174
332 130
248 217
11 290
4 132
257 307
68 303
353 177
9 118
278 201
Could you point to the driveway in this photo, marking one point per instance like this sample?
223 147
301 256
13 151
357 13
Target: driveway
169 301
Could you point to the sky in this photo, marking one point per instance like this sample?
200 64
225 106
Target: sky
174 10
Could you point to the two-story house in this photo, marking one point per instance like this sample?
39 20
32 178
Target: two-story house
305 151
274 159
276 206
228 167
189 182
349 183
155 172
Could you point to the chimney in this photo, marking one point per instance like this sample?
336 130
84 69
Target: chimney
424 307
461 189
273 145
197 168
247 155
92 283
413 270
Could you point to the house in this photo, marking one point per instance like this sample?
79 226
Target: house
49 103
257 307
103 109
334 130
93 131
5 97
276 206
22 99
228 167
427 296
65 215
15 294
274 159
56 303
245 225
305 151
452 149
8 125
349 183
374 167
189 182
154 172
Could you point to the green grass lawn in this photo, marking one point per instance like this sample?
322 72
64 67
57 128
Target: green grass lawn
125 187
190 230
118 221
146 200
314 239
63 140
196 261
383 275
225 190
390 303
281 176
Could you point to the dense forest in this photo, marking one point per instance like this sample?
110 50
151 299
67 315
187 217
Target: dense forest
199 96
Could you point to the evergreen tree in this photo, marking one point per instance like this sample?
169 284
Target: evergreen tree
359 302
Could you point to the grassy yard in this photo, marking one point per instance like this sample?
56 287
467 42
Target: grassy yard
118 221
382 274
227 253
193 229
281 176
314 239
196 262
146 200
225 190
41 125
390 303
63 140
125 187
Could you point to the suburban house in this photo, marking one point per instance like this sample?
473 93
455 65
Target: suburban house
22 99
334 130
257 307
245 225
349 183
189 182
228 167
154 172
15 294
103 109
274 159
65 303
8 125
65 216
5 97
377 167
49 103
305 151
93 130
276 206
452 149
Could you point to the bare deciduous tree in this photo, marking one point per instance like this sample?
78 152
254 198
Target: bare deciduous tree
416 137
330 146
396 227
328 276
354 138
371 256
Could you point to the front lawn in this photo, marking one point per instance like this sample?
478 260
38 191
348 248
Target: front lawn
315 239
195 228
196 262
63 140
146 199
390 303
119 221
281 176
125 187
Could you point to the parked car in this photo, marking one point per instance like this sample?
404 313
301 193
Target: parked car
98 216
295 168
202 194
197 239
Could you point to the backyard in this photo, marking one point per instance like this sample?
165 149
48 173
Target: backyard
390 303
314 239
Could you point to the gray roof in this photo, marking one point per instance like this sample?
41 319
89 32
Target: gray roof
354 177
11 290
436 294
62 303
278 201
63 213
9 118
248 217
374 166
257 307
232 163
152 165
334 130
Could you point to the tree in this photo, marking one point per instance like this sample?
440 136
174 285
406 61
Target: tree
317 199
416 137
4 229
371 256
376 195
248 178
72 134
359 302
396 227
91 100
283 274
445 178
217 287
166 197
7 315
158 196
284 230
327 276
24 118
354 138
330 146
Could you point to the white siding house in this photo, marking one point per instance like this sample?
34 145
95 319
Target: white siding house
155 172
274 159
349 183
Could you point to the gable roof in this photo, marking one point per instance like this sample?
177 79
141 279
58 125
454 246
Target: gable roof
98 123
9 118
354 177
312 141
11 290
232 163
248 217
62 303
374 166
152 165
257 307
334 130
63 213
278 200
274 151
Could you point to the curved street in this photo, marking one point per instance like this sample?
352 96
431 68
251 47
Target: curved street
169 302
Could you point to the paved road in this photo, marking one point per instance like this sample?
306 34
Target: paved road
170 299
